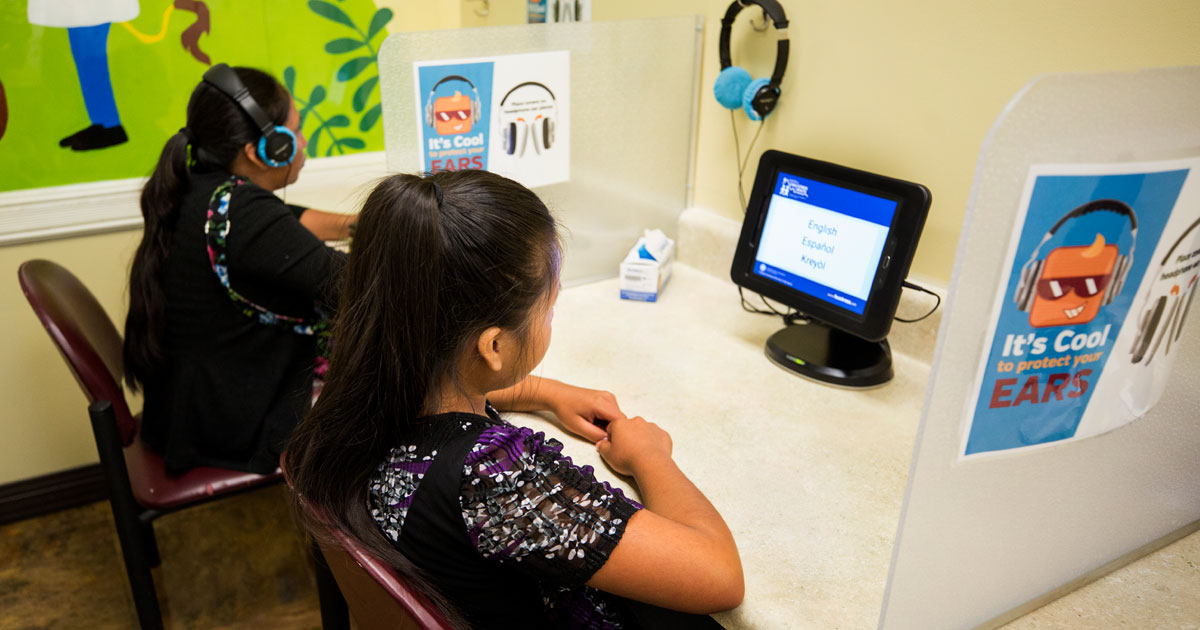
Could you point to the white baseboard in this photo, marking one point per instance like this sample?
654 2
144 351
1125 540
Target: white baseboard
56 212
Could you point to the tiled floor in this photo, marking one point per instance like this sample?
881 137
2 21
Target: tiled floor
237 563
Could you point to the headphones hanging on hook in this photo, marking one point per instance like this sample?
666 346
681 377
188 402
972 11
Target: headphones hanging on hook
734 88
277 143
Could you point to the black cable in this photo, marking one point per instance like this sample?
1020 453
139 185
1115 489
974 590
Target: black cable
909 285
737 155
790 317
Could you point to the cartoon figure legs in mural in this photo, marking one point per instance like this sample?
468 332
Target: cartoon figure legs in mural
87 25
89 47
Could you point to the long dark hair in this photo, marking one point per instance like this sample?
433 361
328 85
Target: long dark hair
218 129
426 275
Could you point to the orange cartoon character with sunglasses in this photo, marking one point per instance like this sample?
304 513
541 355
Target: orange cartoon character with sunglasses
1072 287
451 115
1072 283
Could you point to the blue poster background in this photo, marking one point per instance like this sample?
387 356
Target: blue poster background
1021 407
463 150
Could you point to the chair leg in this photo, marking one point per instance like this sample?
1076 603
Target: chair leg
130 529
334 613
150 542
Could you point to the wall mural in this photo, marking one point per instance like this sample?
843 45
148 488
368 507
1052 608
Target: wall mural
90 91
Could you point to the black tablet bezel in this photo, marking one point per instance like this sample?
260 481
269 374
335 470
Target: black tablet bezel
912 207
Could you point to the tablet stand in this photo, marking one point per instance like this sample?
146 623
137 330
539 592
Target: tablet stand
829 355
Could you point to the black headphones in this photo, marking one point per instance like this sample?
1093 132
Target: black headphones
1031 272
733 88
513 133
475 106
277 144
1153 315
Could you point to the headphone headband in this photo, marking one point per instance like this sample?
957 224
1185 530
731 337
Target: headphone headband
222 77
446 79
1111 205
775 12
1178 241
521 85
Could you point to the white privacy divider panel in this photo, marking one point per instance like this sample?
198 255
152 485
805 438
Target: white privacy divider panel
985 539
634 89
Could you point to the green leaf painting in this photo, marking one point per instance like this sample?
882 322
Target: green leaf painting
325 52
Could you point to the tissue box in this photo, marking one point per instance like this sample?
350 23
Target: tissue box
644 274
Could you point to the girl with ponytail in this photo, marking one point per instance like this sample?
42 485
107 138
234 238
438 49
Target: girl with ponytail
446 307
229 286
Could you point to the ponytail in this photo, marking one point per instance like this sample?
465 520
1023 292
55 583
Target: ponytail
435 262
146 321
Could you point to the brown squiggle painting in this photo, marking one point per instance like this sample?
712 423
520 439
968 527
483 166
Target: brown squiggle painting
191 36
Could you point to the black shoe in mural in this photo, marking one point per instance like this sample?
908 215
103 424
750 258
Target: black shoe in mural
95 137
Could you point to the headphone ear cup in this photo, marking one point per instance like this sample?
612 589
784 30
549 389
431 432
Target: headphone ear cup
1149 323
1029 285
429 114
510 138
1022 287
730 86
759 98
1118 279
547 132
520 137
277 147
476 111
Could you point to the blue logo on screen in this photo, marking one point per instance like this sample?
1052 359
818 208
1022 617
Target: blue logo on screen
791 187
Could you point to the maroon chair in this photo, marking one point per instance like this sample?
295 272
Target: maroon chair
378 598
139 488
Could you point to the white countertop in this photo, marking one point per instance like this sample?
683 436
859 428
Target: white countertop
810 478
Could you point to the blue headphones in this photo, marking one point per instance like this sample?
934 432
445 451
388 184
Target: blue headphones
734 88
277 144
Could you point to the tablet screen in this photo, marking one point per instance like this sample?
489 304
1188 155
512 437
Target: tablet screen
823 240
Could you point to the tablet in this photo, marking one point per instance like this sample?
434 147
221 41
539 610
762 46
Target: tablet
832 242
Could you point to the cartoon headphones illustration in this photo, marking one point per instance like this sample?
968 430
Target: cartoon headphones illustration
515 132
277 145
733 88
566 10
1153 315
1031 272
476 108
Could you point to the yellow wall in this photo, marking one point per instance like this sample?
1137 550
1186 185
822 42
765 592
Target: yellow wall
44 426
907 89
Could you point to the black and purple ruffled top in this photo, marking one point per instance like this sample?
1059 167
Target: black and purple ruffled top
504 524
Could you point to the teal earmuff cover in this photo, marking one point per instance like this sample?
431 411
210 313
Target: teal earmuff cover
730 86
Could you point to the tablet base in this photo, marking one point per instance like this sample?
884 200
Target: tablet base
828 355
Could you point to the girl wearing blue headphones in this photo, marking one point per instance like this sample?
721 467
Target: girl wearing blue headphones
229 286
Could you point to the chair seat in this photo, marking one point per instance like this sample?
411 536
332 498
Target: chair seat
153 488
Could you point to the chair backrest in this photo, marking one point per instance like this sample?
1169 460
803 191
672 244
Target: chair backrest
377 597
83 332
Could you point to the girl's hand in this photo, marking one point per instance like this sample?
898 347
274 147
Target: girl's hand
584 412
633 443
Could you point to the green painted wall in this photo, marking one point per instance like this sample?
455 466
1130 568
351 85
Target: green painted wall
321 46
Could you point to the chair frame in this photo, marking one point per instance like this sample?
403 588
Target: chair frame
51 290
